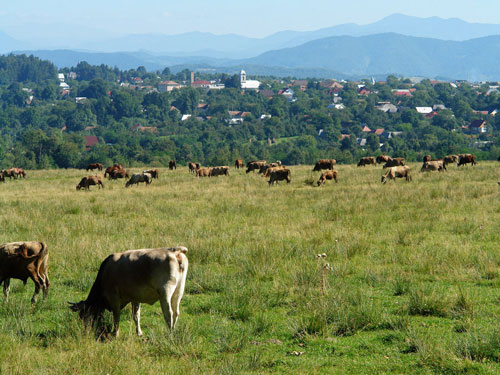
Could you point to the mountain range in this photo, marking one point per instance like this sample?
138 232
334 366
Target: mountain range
398 44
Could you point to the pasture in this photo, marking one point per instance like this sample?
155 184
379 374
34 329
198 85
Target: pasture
412 283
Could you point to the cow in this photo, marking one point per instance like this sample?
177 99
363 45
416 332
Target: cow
433 165
394 162
11 173
238 164
268 171
279 175
327 175
139 177
397 172
383 159
172 165
21 172
88 181
255 165
449 159
368 160
116 174
153 172
426 158
324 164
193 167
93 166
23 260
116 167
204 172
137 276
465 159
219 171
264 167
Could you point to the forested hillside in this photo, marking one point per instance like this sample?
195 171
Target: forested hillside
43 121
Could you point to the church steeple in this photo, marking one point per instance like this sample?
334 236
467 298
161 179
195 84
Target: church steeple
243 76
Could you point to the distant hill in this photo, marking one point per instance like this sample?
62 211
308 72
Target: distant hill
7 43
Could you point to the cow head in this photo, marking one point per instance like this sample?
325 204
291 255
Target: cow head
384 178
88 313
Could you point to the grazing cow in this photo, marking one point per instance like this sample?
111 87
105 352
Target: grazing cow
219 171
116 167
23 260
88 181
327 175
11 172
193 167
394 162
263 168
268 171
466 159
397 172
433 165
255 165
203 172
238 164
137 276
324 164
383 159
368 160
153 172
279 175
93 166
172 165
450 159
116 174
139 177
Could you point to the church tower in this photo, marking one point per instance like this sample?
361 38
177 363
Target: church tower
243 76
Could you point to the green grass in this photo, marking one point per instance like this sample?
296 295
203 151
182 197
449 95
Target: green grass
413 283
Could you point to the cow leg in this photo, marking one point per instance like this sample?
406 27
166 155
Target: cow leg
46 284
38 285
6 289
166 304
177 296
136 315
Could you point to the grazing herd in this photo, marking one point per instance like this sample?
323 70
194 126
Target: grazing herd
12 173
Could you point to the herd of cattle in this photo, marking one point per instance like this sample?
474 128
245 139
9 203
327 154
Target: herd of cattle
134 276
12 173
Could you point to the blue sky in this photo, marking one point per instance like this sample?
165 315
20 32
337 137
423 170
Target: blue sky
255 18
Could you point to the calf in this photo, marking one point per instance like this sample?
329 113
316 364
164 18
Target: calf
137 276
23 260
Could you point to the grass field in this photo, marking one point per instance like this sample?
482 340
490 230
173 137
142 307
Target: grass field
412 287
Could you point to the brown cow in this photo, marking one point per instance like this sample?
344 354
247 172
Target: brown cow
193 167
368 160
327 175
116 174
324 164
433 165
88 181
172 165
238 164
219 171
23 260
203 172
116 167
153 172
93 166
450 159
137 276
397 172
255 165
263 168
279 175
11 172
139 177
394 162
466 159
383 159
268 171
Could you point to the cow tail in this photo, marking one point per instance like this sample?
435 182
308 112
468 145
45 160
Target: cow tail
42 259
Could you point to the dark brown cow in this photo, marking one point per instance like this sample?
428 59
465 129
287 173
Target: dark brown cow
219 171
383 159
238 164
116 167
88 181
23 261
172 165
255 165
116 174
433 165
466 159
327 175
450 159
153 172
139 177
137 276
203 172
394 162
279 175
397 172
324 164
93 166
368 160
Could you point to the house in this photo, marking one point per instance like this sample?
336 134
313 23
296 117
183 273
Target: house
386 107
185 117
63 86
168 86
494 112
60 77
202 106
248 84
424 110
379 131
265 117
431 115
80 99
343 136
90 141
440 107
401 92
287 93
478 126
301 83
366 129
201 84
337 106
361 142
267 93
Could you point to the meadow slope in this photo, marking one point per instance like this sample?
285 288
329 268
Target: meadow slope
413 284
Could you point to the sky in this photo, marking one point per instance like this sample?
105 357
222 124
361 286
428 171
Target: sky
87 19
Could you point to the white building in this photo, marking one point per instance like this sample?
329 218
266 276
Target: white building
248 84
